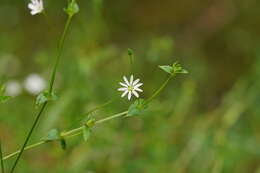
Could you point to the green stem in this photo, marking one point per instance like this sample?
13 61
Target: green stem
111 117
68 134
1 157
60 48
159 90
26 148
28 136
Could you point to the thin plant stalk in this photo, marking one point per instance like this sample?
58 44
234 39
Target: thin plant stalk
157 92
29 135
78 131
60 49
68 134
1 157
53 76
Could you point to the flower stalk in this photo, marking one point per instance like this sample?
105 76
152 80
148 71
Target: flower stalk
60 49
68 134
78 131
1 157
53 76
159 90
28 136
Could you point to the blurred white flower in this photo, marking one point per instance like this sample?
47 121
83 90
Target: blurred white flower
13 88
130 87
36 6
34 84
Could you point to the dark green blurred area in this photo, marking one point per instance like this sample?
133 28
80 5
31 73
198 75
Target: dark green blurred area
206 121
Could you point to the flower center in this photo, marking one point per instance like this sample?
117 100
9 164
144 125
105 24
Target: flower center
130 88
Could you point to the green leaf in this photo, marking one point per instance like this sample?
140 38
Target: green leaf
87 128
41 98
3 97
2 90
167 68
53 135
86 132
63 143
177 68
137 107
44 97
72 8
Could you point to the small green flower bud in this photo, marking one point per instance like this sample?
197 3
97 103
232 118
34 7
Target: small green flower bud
72 8
91 122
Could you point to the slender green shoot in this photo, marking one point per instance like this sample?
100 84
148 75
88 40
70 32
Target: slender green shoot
68 134
60 48
158 91
1 157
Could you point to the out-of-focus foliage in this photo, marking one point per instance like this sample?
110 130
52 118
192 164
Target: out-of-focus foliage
206 121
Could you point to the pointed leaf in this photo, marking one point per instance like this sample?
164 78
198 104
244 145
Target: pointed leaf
41 98
137 107
44 97
167 68
177 68
86 132
53 135
174 69
4 98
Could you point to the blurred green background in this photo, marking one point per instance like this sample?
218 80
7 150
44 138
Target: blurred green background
205 122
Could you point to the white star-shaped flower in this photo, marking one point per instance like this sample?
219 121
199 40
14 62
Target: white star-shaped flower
130 87
36 6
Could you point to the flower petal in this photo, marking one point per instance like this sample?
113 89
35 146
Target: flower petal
136 94
31 6
138 85
41 3
122 89
129 95
126 81
124 93
36 6
131 79
138 89
33 12
123 84
136 81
